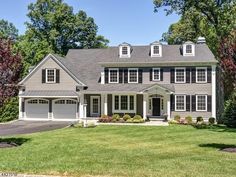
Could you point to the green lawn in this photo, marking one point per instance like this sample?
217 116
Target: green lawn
124 151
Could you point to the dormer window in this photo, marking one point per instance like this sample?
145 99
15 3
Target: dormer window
188 49
156 49
124 50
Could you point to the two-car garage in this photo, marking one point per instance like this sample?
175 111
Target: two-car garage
61 109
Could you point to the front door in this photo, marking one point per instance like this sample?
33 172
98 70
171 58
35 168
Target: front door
95 106
156 110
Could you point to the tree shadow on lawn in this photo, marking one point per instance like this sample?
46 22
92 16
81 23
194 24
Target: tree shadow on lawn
217 128
12 142
219 146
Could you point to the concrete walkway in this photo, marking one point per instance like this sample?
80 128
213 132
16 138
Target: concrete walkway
150 123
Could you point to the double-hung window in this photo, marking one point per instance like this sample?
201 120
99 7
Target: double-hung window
201 101
180 102
50 75
156 50
124 50
156 74
189 49
124 103
201 75
113 75
180 75
133 75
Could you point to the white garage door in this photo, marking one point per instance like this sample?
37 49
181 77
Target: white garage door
37 108
64 109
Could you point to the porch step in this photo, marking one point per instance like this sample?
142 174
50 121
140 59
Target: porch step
156 118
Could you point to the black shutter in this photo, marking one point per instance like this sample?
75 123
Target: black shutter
57 76
208 74
172 100
125 75
187 75
193 75
193 103
209 103
22 106
188 103
172 75
120 76
106 75
43 75
151 74
161 72
140 76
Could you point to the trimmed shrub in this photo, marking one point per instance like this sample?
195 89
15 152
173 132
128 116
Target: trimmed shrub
130 120
189 119
229 116
200 119
126 117
115 117
9 111
173 122
211 120
138 119
177 118
104 116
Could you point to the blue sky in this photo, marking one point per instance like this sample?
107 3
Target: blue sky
131 21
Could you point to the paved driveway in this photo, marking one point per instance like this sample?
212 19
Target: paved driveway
24 127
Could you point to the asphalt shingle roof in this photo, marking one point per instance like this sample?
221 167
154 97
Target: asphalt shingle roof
49 93
85 64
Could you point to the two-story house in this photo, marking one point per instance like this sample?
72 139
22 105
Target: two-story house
152 80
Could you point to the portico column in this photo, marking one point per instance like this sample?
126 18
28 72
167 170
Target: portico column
102 104
105 105
213 77
145 106
81 106
168 108
20 108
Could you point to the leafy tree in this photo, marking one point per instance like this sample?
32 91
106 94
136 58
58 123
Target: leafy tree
212 19
8 30
227 54
53 27
10 70
229 116
9 111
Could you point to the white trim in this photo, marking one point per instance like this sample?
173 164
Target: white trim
152 50
38 119
128 102
159 70
102 77
197 74
129 74
145 98
113 69
91 105
184 103
168 107
213 84
50 56
197 103
46 79
48 96
128 51
105 105
184 75
184 49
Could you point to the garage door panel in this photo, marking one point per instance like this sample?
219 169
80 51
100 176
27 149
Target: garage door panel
64 109
37 109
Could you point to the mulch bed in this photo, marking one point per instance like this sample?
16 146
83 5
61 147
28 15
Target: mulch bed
7 145
232 150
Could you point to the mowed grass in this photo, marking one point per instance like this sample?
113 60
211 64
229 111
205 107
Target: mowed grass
134 151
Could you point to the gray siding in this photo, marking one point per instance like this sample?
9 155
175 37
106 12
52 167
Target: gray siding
35 81
109 100
87 99
139 105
